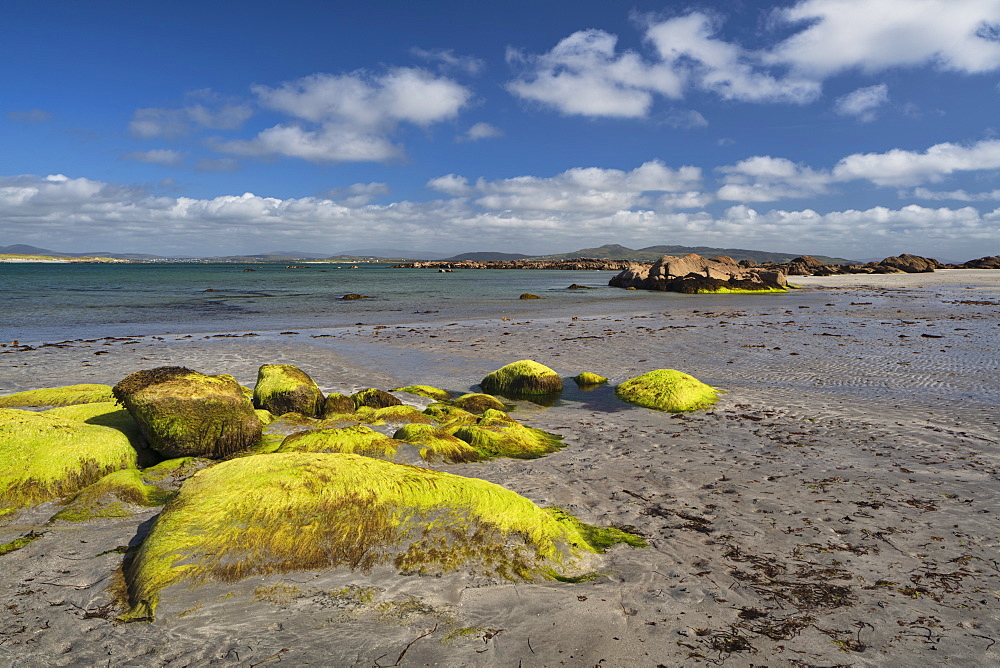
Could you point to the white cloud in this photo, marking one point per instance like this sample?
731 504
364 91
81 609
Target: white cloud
346 118
451 184
875 35
908 168
447 59
155 122
481 131
686 120
358 194
165 157
955 195
583 75
766 179
863 102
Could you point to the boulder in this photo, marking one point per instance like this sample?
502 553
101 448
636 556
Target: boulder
693 274
988 262
425 391
355 440
477 403
338 404
667 390
528 295
525 377
322 511
284 388
374 399
183 413
68 395
587 379
911 264
47 457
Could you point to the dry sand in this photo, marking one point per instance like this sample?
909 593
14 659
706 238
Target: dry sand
837 507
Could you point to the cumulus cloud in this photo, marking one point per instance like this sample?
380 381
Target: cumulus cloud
349 117
451 184
165 157
766 179
875 35
863 102
481 131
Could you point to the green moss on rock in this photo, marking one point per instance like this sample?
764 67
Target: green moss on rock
477 403
667 390
110 414
425 391
185 413
112 496
452 415
337 404
374 399
496 434
59 396
354 440
284 388
392 414
587 379
525 377
46 457
266 514
436 444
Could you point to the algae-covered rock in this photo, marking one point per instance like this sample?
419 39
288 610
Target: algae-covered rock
110 414
265 514
496 434
524 377
374 399
112 496
337 404
59 396
185 413
477 403
284 388
450 416
425 391
436 444
354 440
394 414
44 457
667 390
587 379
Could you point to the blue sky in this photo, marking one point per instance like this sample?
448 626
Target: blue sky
857 128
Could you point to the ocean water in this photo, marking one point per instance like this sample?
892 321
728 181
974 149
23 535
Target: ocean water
54 302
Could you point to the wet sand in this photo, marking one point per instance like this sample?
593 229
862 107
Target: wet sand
836 507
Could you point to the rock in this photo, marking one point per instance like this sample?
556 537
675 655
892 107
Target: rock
354 440
667 390
477 403
46 457
315 511
353 295
587 379
374 399
911 264
524 377
693 274
338 404
436 444
579 287
988 262
528 295
112 495
284 388
496 434
425 391
59 396
183 413
805 265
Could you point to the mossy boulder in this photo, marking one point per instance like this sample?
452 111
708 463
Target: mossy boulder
450 417
374 399
354 440
391 414
587 379
114 495
425 391
435 444
284 388
44 457
110 414
525 377
496 434
265 514
337 404
667 390
183 413
58 396
477 403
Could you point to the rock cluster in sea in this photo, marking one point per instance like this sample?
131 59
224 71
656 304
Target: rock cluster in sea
693 274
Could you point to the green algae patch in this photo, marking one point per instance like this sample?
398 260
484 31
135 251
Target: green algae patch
477 403
525 377
112 496
589 380
265 416
46 457
110 414
425 391
356 440
185 413
496 434
284 388
373 398
23 541
59 396
392 414
266 514
435 444
667 390
453 416
337 404
174 469
727 290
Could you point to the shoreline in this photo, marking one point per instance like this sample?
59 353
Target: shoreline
856 447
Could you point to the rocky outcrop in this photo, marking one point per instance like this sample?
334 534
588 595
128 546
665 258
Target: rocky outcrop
693 274
806 265
988 262
911 264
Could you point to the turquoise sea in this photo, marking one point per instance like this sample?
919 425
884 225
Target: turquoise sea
54 302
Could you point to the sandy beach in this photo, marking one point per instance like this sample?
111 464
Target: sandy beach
837 507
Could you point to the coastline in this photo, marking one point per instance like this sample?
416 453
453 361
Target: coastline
856 446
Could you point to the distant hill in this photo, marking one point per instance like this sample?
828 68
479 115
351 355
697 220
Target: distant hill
24 249
392 253
486 257
652 253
